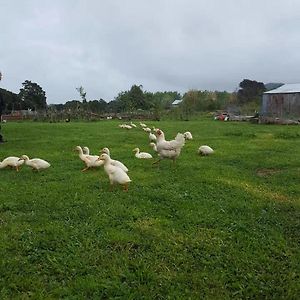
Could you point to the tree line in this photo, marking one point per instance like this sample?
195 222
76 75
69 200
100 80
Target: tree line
33 97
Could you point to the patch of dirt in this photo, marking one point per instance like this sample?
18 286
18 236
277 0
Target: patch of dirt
267 172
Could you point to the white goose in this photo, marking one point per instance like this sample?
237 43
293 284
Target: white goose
152 137
86 151
116 175
11 161
143 155
153 146
35 163
114 162
91 161
187 135
205 150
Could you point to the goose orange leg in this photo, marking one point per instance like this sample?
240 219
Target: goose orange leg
125 187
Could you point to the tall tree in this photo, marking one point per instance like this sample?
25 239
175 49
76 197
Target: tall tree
82 93
10 101
97 106
32 95
250 91
133 99
137 97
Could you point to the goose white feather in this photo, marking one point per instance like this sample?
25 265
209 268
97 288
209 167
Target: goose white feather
116 175
91 161
188 135
11 161
152 137
114 162
35 163
153 146
143 155
86 151
205 150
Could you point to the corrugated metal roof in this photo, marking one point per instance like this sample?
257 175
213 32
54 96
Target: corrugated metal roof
285 89
175 102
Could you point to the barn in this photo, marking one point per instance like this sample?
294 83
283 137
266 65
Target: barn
283 102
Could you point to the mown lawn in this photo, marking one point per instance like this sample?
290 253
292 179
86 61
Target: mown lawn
220 227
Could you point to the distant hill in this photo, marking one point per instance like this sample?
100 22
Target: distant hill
273 85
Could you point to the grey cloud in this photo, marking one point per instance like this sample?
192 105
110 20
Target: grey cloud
106 46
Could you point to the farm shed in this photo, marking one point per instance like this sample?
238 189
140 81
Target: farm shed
283 102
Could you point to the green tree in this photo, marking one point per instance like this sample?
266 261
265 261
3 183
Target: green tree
167 98
82 94
137 97
122 102
73 105
189 104
32 96
97 106
250 91
11 101
133 99
114 106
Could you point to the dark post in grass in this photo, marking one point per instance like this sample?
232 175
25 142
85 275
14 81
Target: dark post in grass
1 109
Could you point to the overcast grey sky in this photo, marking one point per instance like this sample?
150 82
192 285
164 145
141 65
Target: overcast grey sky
106 46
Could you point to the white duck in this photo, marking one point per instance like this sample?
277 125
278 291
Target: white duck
142 124
143 155
205 150
35 163
153 146
11 161
147 129
91 161
132 124
116 175
152 137
86 151
168 149
114 162
188 135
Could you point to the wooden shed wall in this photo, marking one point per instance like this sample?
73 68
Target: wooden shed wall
281 105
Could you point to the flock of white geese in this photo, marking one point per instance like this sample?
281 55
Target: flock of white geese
116 170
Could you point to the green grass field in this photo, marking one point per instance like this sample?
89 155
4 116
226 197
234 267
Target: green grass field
225 226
